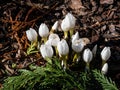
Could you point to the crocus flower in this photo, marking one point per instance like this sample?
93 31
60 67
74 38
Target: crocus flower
54 39
31 35
94 50
77 46
75 37
46 51
87 55
106 53
43 30
68 22
55 26
104 69
72 19
48 42
62 47
65 25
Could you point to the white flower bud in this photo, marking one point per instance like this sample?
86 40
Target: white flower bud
68 22
62 47
55 26
104 69
54 39
48 42
72 19
87 55
75 37
31 35
65 25
94 50
43 30
106 53
46 51
77 46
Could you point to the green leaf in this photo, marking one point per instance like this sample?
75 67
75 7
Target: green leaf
106 83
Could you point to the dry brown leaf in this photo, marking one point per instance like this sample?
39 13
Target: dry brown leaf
94 38
106 1
112 28
118 25
76 4
1 45
11 71
86 41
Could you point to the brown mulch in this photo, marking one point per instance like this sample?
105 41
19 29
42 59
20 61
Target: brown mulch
98 20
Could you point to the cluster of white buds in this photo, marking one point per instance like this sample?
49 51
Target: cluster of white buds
50 40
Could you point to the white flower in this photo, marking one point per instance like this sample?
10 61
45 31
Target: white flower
53 39
104 69
106 53
65 25
94 50
43 30
62 47
87 55
55 26
77 46
31 35
72 20
46 51
75 37
48 42
68 22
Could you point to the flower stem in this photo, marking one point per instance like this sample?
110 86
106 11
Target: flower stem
31 48
87 68
71 32
51 31
103 62
64 58
44 39
66 34
56 52
76 56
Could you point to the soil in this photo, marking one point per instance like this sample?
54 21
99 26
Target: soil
97 20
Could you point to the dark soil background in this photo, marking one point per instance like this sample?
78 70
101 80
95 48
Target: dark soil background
98 20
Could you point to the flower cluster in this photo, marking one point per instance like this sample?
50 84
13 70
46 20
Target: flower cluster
69 47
